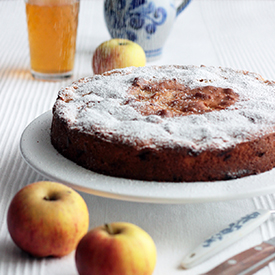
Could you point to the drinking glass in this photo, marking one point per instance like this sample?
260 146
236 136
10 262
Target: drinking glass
52 31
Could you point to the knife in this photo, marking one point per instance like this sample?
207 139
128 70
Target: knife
248 261
225 237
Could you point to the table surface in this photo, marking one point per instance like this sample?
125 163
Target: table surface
237 34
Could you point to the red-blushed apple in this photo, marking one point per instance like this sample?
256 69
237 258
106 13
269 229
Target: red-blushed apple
117 53
47 219
117 248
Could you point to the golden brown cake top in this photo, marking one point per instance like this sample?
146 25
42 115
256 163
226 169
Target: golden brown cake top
195 107
169 98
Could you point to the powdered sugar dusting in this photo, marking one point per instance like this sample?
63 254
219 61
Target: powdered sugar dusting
97 105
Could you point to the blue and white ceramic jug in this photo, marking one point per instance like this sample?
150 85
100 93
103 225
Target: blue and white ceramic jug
146 22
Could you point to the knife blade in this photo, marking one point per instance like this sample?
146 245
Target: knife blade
247 262
225 237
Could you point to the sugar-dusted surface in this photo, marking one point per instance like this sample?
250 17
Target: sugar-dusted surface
97 105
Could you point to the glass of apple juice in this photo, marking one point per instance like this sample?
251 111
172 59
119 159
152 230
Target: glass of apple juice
52 31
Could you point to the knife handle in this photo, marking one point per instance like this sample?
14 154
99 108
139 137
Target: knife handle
246 262
225 237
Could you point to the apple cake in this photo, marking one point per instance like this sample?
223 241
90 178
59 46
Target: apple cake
168 123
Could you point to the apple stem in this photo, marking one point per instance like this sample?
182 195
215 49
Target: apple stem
109 228
50 198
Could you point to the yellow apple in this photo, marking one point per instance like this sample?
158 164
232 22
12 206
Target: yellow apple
117 53
118 248
47 219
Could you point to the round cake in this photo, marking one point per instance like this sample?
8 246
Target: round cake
168 123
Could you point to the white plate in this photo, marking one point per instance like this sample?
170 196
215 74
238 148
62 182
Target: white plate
36 149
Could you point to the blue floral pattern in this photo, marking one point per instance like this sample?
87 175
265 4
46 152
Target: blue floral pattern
232 227
140 14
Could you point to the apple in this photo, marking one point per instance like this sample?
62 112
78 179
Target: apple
117 248
47 219
117 53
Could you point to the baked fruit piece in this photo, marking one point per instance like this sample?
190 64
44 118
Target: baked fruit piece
168 123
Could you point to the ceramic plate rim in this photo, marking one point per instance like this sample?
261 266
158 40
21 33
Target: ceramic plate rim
37 151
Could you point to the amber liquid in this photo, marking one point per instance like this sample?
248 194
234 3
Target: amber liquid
52 28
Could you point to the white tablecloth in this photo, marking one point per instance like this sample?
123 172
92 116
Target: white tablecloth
229 33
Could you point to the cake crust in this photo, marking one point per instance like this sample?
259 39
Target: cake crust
169 123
